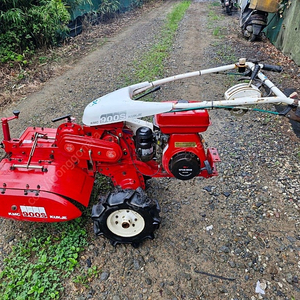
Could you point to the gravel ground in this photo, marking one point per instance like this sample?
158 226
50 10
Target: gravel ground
219 237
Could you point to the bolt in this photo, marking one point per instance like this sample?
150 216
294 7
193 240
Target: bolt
125 225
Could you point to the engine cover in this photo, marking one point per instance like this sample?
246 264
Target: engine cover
184 156
184 165
183 122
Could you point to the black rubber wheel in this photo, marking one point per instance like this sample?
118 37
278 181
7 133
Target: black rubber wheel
228 10
254 37
126 217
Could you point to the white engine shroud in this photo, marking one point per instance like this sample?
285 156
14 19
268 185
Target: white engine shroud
118 106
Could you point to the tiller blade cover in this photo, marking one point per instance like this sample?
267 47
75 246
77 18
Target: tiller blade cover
39 184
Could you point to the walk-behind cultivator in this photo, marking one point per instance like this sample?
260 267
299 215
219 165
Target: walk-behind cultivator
47 174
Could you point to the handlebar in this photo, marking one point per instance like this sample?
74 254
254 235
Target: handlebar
68 117
150 92
123 104
271 68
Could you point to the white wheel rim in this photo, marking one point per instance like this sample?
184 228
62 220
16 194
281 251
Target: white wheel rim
125 222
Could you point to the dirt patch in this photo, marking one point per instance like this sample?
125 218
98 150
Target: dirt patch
218 237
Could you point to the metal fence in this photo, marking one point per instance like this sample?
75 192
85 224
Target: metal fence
89 11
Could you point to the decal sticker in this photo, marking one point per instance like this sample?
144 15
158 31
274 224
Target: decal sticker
185 144
111 154
58 217
14 214
94 102
33 212
135 116
69 147
113 117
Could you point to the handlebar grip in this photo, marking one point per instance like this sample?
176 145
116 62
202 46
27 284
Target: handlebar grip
62 118
272 68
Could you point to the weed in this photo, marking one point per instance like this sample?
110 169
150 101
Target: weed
21 75
212 16
215 3
225 52
43 59
151 65
218 32
86 276
213 19
37 264
266 120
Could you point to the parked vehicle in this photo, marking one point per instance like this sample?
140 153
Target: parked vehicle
228 5
47 174
254 17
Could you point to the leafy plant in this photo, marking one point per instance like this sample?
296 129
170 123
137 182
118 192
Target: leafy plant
43 59
108 9
73 4
86 276
37 265
217 31
136 3
28 25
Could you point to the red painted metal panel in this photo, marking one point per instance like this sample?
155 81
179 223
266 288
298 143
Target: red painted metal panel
64 179
46 207
183 122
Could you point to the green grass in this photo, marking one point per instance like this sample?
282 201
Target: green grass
84 276
215 3
218 32
38 264
48 254
213 17
224 53
151 65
